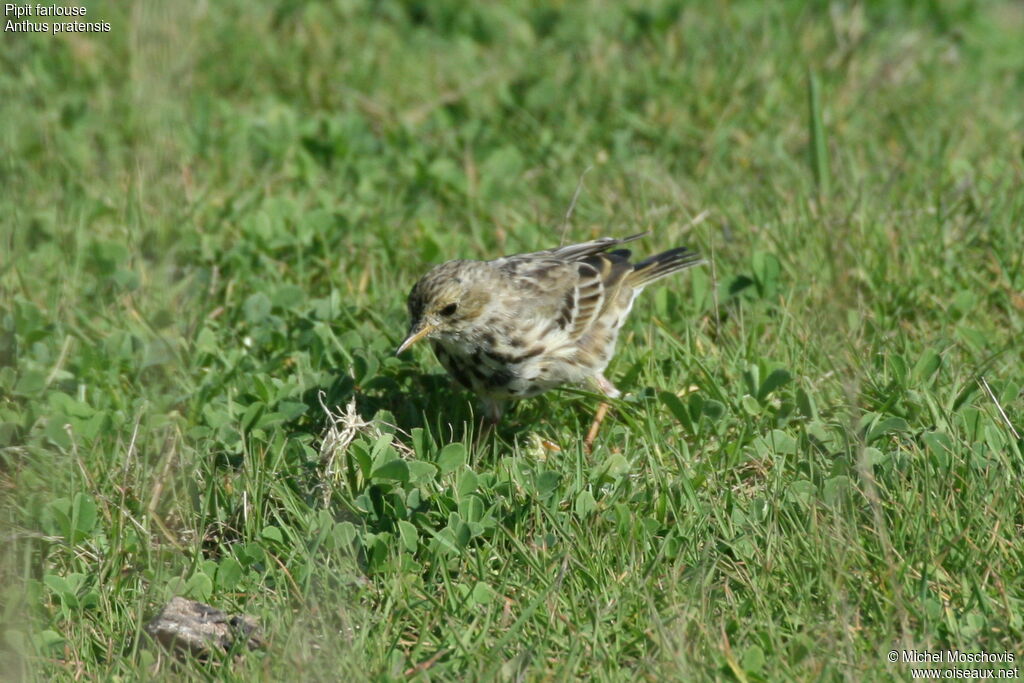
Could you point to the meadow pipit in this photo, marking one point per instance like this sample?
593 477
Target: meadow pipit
520 325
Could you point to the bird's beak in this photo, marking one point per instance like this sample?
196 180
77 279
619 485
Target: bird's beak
414 337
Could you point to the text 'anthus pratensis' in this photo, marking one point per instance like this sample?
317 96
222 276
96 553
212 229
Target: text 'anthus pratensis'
520 325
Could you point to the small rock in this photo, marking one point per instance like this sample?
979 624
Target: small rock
191 627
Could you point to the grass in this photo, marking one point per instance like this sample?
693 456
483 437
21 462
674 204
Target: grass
213 213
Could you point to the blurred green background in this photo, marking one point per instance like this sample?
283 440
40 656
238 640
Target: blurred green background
213 213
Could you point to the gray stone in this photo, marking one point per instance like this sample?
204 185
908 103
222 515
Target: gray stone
187 626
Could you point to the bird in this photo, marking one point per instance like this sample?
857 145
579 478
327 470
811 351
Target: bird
520 325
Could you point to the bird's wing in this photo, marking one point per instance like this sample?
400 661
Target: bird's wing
601 278
572 294
542 283
607 283
581 250
577 285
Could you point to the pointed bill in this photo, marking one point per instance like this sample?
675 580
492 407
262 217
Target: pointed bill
415 337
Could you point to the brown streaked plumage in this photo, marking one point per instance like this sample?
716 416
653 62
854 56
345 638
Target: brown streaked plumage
520 325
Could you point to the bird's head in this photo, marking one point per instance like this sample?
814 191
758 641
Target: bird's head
446 300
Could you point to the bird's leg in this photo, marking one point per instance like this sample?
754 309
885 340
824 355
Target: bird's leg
492 416
609 390
602 410
495 409
606 387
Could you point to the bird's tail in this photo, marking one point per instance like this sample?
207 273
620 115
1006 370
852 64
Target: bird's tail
667 262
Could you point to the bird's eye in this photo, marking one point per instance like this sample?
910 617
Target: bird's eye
449 309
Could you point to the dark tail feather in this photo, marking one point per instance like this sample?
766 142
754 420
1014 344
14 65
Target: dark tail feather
665 263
